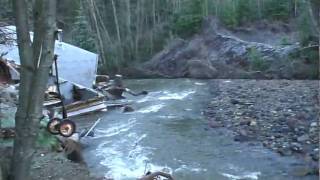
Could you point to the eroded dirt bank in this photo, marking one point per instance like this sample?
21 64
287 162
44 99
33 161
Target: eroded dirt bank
283 115
218 52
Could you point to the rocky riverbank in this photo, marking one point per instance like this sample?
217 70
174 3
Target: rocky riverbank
283 115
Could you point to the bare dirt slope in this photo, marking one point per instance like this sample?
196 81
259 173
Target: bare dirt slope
258 51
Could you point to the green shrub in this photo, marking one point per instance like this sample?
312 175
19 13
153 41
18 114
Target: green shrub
45 139
188 21
285 41
187 25
257 63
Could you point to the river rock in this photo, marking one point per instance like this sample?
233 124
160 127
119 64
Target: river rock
314 124
303 138
234 101
214 124
292 123
284 151
127 109
296 147
245 122
253 123
242 136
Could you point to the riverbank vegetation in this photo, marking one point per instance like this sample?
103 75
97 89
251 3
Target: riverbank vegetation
125 33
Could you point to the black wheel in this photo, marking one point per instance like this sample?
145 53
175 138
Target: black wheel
67 128
53 126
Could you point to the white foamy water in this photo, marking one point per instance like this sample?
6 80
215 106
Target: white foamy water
166 95
150 97
115 129
128 163
168 116
249 175
184 168
153 108
200 83
176 96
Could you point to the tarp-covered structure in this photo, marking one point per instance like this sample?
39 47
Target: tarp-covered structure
74 64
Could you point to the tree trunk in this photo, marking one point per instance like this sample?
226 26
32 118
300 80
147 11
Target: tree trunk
314 16
119 47
153 27
128 24
259 9
137 30
115 16
104 28
96 29
205 8
217 6
36 59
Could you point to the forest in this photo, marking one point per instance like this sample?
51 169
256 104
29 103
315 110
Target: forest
126 33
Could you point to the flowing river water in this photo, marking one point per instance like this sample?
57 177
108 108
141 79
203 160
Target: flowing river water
168 132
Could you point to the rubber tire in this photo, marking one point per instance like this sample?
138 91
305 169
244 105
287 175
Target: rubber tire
49 124
64 123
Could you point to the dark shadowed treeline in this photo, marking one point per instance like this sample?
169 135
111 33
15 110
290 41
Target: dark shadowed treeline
132 31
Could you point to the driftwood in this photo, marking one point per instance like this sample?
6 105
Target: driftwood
92 127
308 47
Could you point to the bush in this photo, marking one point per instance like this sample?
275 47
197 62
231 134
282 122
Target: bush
285 41
187 25
257 63
45 139
188 21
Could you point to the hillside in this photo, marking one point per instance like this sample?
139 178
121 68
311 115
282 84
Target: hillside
262 51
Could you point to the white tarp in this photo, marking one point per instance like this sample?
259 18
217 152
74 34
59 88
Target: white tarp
74 64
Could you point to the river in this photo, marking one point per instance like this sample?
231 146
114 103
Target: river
168 132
